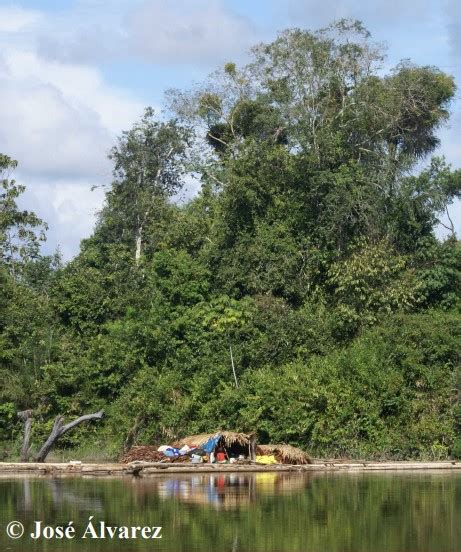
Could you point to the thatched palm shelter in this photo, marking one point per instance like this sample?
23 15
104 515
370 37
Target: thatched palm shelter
284 454
235 443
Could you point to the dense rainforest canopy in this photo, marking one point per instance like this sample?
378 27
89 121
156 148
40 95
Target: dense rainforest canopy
308 258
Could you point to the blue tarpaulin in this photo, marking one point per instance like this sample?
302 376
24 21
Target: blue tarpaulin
210 445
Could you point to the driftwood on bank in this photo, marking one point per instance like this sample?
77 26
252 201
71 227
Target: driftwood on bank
59 429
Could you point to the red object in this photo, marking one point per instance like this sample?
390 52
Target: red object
220 456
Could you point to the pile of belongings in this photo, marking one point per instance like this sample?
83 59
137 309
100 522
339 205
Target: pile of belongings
184 454
170 452
164 453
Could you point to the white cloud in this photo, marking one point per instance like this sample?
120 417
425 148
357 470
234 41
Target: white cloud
85 33
201 32
384 12
47 134
82 85
59 120
70 208
14 19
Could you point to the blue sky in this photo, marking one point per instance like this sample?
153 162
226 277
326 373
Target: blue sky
74 73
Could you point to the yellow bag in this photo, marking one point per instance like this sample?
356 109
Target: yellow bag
266 459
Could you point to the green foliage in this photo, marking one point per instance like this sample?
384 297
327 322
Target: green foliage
372 281
309 252
7 420
439 271
18 240
179 278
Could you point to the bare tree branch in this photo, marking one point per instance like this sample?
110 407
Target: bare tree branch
59 430
451 222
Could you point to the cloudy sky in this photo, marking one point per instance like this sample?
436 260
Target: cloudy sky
74 73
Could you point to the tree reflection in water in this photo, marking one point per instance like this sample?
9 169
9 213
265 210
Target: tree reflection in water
399 512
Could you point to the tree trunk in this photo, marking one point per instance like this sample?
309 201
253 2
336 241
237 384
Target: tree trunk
233 366
137 255
26 416
133 433
59 429
252 447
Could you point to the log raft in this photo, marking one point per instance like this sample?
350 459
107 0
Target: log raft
141 469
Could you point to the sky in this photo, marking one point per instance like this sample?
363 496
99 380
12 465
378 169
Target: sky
75 73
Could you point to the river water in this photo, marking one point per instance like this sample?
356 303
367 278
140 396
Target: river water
314 512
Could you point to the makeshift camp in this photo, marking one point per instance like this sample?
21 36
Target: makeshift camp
284 454
226 446
234 444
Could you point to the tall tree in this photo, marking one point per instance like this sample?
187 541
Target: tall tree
148 169
313 145
21 231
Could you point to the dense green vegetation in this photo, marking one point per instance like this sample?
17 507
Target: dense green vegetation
309 255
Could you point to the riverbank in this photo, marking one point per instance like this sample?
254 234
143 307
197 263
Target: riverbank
141 469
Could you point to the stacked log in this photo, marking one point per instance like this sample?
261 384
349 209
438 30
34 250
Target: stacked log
143 453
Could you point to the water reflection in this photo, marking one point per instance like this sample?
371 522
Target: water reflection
225 491
267 512
57 494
